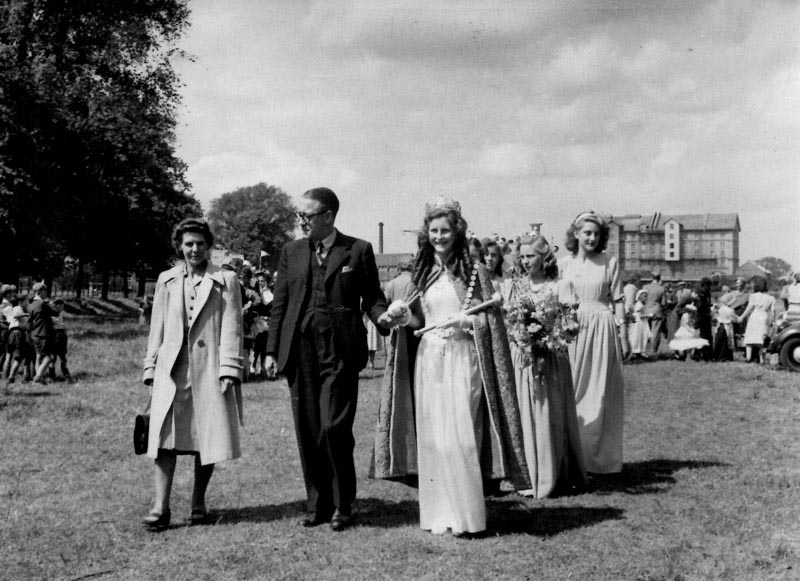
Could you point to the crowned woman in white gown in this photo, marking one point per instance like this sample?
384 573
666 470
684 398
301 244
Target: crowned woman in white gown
461 429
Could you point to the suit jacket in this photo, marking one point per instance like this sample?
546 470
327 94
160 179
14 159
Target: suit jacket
655 299
351 286
215 338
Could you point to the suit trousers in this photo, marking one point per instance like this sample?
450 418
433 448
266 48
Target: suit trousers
324 392
656 328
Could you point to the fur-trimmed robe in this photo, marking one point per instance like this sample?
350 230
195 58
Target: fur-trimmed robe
394 454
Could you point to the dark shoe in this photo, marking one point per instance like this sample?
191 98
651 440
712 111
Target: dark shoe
157 522
340 521
198 516
314 519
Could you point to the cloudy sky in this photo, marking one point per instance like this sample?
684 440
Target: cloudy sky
524 111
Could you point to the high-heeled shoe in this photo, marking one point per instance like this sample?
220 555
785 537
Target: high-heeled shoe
157 522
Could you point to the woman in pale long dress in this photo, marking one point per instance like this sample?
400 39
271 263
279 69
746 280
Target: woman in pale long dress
465 427
639 332
592 279
544 387
761 312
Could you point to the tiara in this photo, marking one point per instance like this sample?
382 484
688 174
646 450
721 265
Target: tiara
442 203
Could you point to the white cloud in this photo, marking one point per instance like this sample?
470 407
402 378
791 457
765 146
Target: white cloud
224 172
510 159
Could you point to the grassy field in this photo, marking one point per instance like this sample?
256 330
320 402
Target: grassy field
710 489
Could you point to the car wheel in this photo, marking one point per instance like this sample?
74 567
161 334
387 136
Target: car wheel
790 354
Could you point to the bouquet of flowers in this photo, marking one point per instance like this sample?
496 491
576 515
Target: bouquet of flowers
537 321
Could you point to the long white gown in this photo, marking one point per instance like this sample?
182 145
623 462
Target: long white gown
447 391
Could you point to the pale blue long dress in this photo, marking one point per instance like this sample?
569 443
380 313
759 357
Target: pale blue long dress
596 358
547 410
448 391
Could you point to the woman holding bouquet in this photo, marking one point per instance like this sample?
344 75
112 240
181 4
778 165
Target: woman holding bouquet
540 328
591 279
449 414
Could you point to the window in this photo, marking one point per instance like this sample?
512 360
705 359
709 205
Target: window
671 246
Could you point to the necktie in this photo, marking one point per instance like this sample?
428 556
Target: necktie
320 251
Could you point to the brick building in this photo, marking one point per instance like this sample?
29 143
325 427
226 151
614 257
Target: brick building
681 246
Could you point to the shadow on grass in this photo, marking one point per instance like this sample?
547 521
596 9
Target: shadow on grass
22 392
504 518
513 519
647 477
372 512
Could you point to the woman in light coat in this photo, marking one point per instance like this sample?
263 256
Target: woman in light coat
194 367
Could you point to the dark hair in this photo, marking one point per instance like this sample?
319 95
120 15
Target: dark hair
196 225
759 284
324 196
498 268
459 263
571 243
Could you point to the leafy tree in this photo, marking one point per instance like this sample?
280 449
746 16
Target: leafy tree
252 219
777 266
87 106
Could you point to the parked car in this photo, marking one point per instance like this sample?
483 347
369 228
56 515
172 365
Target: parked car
786 343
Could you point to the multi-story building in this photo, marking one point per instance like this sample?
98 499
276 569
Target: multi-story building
680 246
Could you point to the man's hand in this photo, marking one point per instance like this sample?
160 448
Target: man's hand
386 320
271 367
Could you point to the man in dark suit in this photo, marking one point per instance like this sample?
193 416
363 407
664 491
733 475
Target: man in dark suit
318 341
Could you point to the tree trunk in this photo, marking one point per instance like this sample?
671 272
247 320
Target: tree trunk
141 284
106 283
79 279
126 289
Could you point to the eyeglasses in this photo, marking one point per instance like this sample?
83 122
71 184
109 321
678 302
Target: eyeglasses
303 217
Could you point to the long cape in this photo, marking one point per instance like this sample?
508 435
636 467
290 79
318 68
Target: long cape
394 454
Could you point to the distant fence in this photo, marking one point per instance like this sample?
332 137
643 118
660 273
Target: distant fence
65 286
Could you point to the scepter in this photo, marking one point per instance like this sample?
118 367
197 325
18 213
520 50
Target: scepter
495 300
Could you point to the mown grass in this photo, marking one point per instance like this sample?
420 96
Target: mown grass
710 489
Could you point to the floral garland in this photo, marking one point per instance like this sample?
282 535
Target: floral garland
537 321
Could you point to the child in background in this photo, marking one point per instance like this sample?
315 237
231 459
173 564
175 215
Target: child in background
60 345
687 337
20 352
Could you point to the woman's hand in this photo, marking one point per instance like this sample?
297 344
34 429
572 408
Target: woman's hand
226 383
464 322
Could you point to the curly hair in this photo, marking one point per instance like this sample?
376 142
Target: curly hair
196 225
571 243
459 263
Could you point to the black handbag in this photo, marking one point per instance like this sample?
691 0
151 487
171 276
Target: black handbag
141 427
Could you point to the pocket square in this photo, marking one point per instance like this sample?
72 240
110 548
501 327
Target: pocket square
346 269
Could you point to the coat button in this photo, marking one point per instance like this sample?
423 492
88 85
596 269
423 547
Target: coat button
201 343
